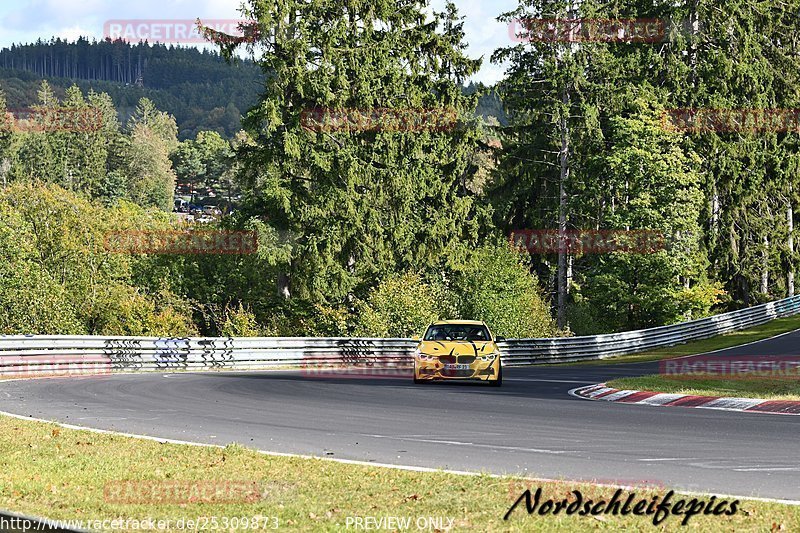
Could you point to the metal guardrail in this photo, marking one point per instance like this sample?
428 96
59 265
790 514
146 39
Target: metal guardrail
26 355
32 355
568 349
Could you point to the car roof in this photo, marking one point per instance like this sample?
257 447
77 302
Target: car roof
464 322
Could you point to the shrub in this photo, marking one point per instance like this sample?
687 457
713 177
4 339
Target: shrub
239 322
496 286
400 306
33 303
57 277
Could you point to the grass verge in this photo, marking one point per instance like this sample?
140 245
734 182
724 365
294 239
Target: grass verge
774 388
60 473
720 342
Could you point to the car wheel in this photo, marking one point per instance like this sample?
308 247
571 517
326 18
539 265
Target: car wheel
499 381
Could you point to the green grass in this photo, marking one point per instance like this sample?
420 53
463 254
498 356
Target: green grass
61 473
736 338
787 388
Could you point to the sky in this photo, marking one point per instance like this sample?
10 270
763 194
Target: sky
25 21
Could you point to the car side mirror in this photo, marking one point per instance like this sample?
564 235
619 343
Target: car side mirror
415 337
500 339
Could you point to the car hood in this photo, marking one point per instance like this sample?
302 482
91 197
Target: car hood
457 348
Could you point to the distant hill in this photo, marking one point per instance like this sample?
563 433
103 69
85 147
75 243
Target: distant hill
198 87
489 105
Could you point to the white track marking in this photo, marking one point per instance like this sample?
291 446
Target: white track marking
549 380
667 459
658 399
736 346
598 392
770 469
734 404
472 444
614 396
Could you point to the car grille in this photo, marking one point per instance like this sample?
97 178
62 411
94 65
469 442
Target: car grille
457 373
461 359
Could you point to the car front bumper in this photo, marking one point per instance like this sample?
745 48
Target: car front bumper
434 369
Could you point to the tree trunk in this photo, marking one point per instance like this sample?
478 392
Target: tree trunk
765 267
5 166
790 247
283 286
714 209
570 260
694 20
562 212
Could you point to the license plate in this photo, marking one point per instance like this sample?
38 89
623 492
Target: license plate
456 367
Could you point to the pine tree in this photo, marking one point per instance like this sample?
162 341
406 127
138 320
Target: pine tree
360 202
553 118
153 136
584 151
742 55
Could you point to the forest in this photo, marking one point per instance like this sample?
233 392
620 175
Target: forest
197 87
376 231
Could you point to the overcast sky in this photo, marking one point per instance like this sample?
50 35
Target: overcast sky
24 21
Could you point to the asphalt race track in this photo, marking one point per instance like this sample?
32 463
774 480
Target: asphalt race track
530 426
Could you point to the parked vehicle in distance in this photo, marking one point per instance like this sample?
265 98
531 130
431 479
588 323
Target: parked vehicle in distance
181 205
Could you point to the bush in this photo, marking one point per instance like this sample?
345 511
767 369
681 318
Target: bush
496 286
57 277
239 322
644 291
331 322
33 303
400 306
300 318
584 319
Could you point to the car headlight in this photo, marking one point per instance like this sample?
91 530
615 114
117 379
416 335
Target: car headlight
488 357
425 357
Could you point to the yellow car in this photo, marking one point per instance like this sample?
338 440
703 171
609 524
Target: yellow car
458 350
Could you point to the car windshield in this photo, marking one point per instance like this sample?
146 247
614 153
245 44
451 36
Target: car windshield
457 332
